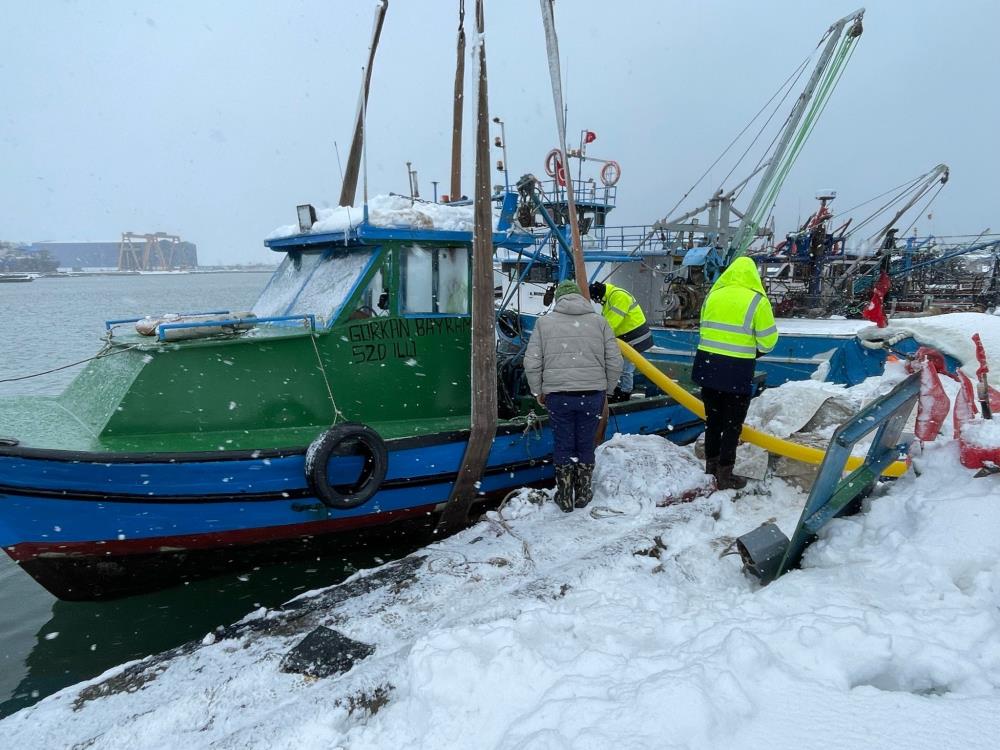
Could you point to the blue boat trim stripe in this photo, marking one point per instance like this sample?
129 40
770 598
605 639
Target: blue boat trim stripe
290 494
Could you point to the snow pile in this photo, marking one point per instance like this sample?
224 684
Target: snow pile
387 211
626 626
982 433
952 334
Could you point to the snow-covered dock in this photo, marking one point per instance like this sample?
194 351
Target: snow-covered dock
625 625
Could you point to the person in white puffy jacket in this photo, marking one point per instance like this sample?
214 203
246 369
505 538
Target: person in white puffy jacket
572 363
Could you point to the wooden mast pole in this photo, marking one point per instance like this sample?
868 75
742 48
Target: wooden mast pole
350 187
456 119
484 354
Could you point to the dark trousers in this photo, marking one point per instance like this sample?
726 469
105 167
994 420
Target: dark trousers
724 415
574 418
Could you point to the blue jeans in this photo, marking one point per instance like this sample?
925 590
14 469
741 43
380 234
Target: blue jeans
574 418
627 380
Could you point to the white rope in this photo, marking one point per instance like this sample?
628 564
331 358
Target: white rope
337 413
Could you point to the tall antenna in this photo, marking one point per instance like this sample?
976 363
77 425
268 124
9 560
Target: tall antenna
340 168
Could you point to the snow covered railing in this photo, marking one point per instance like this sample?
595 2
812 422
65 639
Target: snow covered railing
110 324
226 325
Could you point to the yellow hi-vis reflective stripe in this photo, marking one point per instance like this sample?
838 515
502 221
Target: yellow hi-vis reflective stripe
730 339
622 321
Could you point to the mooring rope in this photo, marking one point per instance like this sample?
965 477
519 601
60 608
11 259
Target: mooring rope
100 355
337 413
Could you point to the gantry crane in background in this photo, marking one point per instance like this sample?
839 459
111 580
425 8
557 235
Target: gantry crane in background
148 252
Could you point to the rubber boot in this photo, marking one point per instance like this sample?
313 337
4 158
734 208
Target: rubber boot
564 487
712 465
726 480
582 488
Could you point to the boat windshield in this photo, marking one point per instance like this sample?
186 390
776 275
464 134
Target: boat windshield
316 283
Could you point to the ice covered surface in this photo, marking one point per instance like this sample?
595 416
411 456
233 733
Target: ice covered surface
625 628
821 326
387 211
952 334
982 433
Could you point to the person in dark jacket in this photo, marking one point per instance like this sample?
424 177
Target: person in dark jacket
572 363
737 326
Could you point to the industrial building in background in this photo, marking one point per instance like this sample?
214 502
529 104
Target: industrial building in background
156 251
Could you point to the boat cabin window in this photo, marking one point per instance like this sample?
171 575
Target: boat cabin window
776 271
435 280
374 301
316 282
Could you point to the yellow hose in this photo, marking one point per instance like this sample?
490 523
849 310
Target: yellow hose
769 443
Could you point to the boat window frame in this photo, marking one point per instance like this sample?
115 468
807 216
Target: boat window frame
377 252
401 278
379 256
324 252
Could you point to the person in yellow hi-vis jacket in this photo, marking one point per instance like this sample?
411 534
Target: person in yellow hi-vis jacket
737 326
628 322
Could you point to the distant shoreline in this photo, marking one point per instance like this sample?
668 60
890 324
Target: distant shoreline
74 274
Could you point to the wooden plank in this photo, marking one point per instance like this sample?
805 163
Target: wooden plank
456 117
349 189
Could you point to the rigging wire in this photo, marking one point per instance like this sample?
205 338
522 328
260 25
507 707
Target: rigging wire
909 190
796 74
769 191
907 184
918 214
774 140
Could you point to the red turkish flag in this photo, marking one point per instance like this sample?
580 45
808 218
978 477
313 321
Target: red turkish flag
590 137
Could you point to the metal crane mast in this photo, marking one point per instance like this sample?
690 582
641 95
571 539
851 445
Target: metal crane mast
840 39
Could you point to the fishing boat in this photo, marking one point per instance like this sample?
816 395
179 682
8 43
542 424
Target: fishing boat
827 266
669 265
341 401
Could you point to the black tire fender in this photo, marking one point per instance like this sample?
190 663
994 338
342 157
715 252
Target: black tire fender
345 439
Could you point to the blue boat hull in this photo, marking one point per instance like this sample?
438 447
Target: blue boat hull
795 357
106 525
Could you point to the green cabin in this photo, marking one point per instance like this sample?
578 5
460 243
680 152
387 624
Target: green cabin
369 324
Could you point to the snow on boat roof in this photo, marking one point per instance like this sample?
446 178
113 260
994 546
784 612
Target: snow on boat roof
394 211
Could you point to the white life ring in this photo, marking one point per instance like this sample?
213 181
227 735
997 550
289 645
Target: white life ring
611 172
553 162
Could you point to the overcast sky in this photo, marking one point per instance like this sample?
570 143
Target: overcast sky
212 120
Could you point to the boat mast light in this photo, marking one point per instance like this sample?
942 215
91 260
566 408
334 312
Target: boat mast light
307 217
